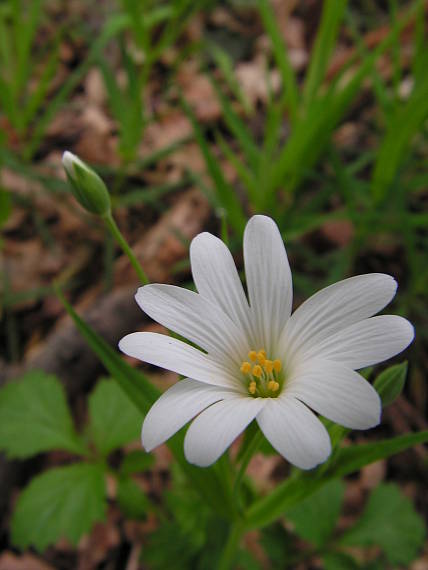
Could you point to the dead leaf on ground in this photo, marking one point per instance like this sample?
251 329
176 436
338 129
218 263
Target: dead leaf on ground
10 561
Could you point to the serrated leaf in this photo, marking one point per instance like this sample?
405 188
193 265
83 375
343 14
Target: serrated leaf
136 462
131 498
114 420
61 503
390 383
389 521
315 518
34 417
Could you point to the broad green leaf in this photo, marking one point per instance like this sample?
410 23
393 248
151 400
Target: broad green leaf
136 462
348 460
61 503
315 518
114 419
390 383
34 417
389 521
131 498
279 544
339 561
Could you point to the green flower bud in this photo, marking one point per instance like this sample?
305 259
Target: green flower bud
87 187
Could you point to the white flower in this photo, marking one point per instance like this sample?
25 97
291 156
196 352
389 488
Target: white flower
255 361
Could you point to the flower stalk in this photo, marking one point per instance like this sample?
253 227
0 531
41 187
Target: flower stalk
118 236
92 194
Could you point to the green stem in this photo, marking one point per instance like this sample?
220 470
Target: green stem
228 556
116 233
246 458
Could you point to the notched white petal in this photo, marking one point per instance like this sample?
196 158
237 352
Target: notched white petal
177 356
295 432
336 307
216 278
175 408
194 317
268 278
211 433
366 343
336 392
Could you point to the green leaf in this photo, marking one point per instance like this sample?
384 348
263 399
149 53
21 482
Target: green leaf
225 193
114 418
131 498
315 518
389 521
394 148
288 76
348 460
136 462
390 383
354 457
5 206
137 387
34 417
278 544
61 503
324 44
339 561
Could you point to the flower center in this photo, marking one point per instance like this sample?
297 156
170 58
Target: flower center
262 376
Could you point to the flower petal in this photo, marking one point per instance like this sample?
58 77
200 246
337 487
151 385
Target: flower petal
211 433
216 278
172 354
194 317
175 408
336 307
295 432
268 279
336 392
368 342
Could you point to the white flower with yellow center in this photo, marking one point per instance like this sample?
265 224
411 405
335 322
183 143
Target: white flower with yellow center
254 360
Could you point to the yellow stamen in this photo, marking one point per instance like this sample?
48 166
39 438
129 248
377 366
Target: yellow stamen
252 355
257 371
252 388
245 367
277 365
268 366
273 386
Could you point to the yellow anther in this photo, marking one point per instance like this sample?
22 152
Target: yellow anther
273 386
257 371
252 355
252 388
277 365
268 366
245 367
